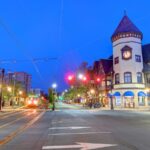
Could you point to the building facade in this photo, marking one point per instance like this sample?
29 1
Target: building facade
129 85
103 71
22 78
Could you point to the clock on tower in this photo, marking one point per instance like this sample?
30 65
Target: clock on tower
126 53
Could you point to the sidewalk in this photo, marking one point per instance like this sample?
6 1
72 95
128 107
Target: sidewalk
120 109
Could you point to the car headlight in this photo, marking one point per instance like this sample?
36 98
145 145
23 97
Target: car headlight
35 102
29 102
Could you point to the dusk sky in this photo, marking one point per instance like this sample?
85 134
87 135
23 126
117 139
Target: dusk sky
71 30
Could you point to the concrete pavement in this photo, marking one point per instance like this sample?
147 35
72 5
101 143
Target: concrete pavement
69 128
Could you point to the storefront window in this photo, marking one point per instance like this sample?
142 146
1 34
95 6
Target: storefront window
141 100
118 100
148 97
129 102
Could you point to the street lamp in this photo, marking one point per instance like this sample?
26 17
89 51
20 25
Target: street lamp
9 89
80 76
20 92
92 91
54 85
66 90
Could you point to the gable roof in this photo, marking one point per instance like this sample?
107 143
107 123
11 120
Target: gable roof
146 53
107 65
126 26
96 65
146 57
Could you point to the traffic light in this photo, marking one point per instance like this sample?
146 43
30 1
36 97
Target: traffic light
70 77
98 80
84 78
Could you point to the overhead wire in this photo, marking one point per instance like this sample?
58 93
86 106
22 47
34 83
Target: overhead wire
19 46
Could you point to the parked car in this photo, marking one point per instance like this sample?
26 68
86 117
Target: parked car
97 105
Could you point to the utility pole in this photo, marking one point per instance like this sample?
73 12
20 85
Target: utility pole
1 89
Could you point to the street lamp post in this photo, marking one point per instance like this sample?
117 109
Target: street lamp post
19 94
1 90
14 86
54 86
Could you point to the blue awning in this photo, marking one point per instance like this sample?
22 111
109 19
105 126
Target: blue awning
128 93
148 94
109 95
141 94
117 94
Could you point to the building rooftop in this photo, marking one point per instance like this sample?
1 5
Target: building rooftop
107 65
126 26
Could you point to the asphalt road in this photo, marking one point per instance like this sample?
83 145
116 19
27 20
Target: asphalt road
70 127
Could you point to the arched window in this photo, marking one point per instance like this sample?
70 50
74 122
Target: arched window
127 77
117 78
139 77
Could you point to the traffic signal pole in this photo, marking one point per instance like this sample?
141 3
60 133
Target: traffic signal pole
111 97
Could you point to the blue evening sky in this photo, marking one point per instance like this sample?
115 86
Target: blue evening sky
71 30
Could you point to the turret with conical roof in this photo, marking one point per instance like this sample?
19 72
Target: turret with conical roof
126 28
127 64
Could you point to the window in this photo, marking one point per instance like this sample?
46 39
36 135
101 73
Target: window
127 77
117 78
116 60
141 100
139 77
148 78
137 58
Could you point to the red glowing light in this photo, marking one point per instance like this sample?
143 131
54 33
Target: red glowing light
70 77
84 78
98 79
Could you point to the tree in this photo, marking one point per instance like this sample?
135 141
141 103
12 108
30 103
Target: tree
74 92
51 95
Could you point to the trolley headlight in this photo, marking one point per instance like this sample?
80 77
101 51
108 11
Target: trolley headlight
29 102
35 102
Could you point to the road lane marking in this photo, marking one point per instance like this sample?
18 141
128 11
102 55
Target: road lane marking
57 122
80 133
82 146
71 128
19 118
21 129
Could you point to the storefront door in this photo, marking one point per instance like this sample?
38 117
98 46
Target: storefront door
129 102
